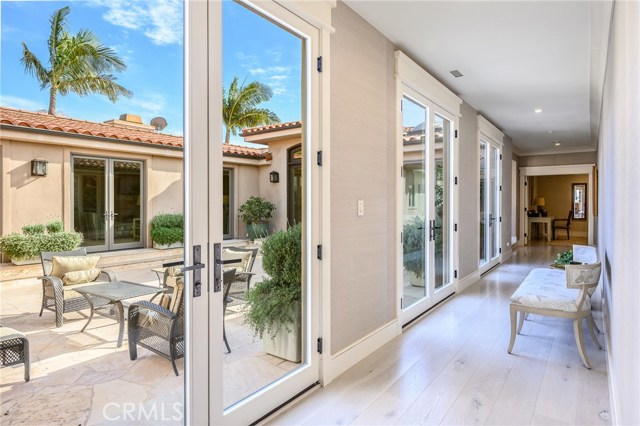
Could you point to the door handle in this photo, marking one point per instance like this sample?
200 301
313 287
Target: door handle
195 268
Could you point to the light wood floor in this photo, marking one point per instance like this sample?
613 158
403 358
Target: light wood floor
452 367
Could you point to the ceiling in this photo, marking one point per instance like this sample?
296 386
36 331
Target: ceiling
515 57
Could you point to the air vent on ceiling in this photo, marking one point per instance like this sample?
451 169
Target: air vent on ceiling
456 73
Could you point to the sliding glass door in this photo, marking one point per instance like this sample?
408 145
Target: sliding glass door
426 205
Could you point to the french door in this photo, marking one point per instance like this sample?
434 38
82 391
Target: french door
108 202
426 199
243 385
489 205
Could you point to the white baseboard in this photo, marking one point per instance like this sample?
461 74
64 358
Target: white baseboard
465 282
337 364
506 254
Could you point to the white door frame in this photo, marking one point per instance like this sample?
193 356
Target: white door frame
571 169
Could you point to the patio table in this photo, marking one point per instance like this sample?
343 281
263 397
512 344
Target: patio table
110 295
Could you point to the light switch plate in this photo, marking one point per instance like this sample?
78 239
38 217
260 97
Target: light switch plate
360 207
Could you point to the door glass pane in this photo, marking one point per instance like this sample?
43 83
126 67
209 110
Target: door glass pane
442 131
262 70
414 122
483 203
494 214
89 194
127 201
227 209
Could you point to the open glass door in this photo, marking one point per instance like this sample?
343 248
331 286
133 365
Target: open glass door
489 205
426 205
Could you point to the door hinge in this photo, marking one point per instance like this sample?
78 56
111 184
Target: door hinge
525 183
525 235
401 239
455 134
401 171
319 63
401 303
501 156
455 180
525 209
455 274
455 227
500 219
319 347
319 158
499 250
319 252
500 188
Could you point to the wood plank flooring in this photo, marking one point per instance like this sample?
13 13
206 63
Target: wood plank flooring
452 367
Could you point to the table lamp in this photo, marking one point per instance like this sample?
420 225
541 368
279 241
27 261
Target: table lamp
540 203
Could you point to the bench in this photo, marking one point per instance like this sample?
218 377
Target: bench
560 293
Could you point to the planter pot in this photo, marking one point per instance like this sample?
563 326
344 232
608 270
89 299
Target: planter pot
257 230
167 246
415 280
284 344
32 261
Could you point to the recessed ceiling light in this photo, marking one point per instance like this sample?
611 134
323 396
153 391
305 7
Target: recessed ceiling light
538 110
456 73
550 132
557 143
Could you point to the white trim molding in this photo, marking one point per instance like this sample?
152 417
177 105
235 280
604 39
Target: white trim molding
489 131
467 281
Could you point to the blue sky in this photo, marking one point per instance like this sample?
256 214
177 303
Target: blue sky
148 35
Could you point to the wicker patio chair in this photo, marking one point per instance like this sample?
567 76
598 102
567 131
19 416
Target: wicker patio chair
159 328
14 349
61 298
244 266
229 276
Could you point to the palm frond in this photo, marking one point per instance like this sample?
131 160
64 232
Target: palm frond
33 66
58 23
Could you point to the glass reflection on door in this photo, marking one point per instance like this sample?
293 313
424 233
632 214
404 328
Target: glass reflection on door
89 200
442 131
493 200
483 203
414 124
126 213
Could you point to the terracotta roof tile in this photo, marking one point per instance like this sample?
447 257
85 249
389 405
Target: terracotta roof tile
243 151
271 128
37 120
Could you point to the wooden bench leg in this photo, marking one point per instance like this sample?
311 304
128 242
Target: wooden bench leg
514 313
523 316
577 331
592 326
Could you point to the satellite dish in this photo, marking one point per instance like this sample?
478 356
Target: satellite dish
159 123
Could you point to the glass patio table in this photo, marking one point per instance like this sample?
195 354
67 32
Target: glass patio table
106 299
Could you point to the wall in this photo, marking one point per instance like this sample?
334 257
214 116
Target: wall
558 159
557 193
363 294
618 226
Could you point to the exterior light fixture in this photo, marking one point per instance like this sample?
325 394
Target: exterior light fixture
274 177
39 167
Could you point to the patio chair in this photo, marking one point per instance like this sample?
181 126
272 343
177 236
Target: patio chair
62 272
160 327
244 266
14 349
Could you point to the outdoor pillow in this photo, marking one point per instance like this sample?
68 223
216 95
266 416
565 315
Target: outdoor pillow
176 298
64 264
243 256
80 277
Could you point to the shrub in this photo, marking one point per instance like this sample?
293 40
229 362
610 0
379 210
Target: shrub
275 302
256 210
55 226
167 228
413 246
33 229
20 247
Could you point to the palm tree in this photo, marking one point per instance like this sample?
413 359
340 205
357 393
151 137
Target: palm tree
78 63
239 107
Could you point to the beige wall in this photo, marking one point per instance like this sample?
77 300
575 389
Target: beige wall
556 191
363 294
558 159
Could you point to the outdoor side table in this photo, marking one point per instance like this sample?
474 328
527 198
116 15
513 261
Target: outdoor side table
14 349
106 299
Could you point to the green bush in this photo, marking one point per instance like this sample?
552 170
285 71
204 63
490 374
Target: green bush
20 247
55 226
413 234
256 210
167 228
275 302
33 229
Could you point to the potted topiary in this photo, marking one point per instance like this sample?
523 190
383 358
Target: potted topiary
167 230
25 248
255 212
274 304
413 250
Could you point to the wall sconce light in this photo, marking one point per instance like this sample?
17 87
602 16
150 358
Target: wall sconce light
39 167
274 177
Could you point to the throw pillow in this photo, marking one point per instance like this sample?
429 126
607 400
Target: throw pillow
243 259
80 277
64 264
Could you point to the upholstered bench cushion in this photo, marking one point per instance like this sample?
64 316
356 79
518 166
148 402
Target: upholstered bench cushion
546 289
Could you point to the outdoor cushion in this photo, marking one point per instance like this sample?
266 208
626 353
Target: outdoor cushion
80 277
176 298
68 292
7 333
243 256
64 264
542 289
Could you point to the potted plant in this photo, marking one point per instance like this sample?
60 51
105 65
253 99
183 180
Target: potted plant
25 248
167 230
413 250
564 258
274 304
255 212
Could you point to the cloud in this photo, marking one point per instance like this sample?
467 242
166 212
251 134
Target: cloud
257 71
159 20
21 103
